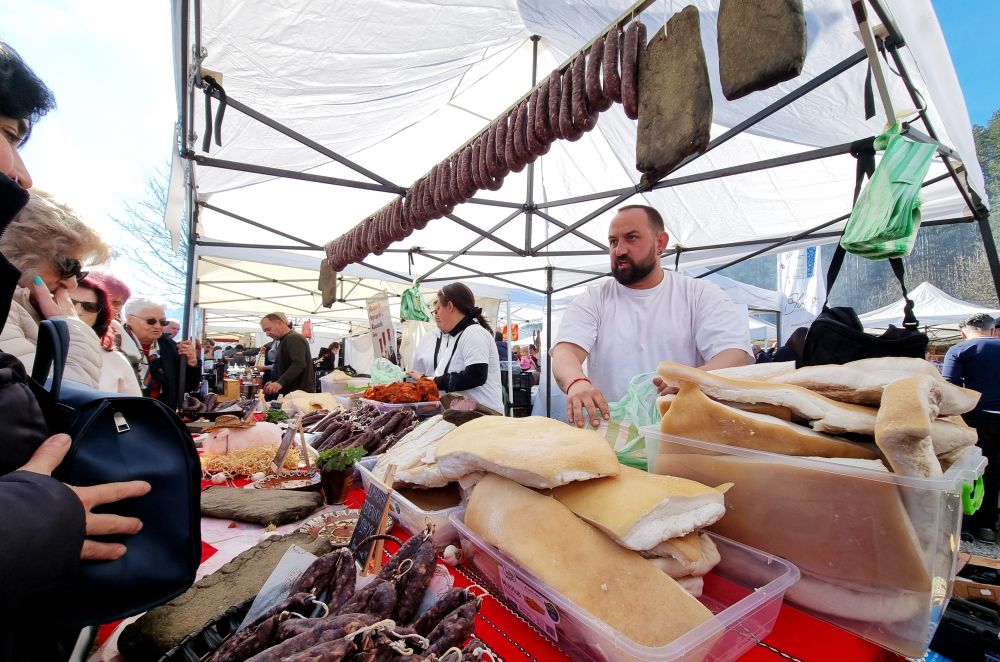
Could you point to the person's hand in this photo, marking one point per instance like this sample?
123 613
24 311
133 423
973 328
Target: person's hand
272 387
57 304
585 396
186 348
414 374
48 456
662 388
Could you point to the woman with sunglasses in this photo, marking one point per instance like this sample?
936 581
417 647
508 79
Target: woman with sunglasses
162 359
49 244
93 305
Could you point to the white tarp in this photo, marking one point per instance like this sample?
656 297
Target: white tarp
932 307
398 85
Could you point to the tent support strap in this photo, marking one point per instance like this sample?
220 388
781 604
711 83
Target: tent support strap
548 341
308 142
257 225
291 174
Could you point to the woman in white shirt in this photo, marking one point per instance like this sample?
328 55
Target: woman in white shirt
465 358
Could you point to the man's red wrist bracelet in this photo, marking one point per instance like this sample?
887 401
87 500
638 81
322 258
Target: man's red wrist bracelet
578 379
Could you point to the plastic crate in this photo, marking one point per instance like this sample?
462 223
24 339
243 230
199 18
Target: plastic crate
877 550
744 592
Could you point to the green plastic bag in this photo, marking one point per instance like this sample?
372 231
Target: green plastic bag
413 306
385 371
886 217
636 409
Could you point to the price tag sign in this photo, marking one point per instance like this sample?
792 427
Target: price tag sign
372 519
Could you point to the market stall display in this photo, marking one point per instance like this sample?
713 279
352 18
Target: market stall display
362 427
875 539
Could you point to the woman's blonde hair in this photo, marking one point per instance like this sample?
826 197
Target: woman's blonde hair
44 229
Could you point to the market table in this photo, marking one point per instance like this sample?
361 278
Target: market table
796 635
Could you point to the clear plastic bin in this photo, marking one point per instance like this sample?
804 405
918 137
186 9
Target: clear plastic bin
877 550
744 592
409 515
354 386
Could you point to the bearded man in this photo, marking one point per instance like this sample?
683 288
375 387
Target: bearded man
625 326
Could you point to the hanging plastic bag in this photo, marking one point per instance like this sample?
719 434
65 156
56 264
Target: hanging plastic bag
886 217
636 409
413 306
385 371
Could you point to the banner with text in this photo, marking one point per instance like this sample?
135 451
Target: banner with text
380 323
801 288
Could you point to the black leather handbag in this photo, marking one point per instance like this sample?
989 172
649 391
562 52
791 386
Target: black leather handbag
119 438
837 335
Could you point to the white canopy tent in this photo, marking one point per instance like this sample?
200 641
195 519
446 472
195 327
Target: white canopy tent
331 113
932 306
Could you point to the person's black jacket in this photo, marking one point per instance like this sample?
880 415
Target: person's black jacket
166 369
42 527
293 368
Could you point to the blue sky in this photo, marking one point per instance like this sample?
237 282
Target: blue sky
971 30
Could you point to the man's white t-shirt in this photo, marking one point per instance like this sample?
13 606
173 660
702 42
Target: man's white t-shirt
627 331
475 345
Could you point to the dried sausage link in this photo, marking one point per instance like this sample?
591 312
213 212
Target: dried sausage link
596 98
612 79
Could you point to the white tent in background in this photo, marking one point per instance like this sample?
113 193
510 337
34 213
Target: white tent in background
932 307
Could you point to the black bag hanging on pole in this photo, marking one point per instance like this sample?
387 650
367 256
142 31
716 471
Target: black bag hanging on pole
120 438
837 335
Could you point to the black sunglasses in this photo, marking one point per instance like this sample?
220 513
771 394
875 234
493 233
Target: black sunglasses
88 306
69 267
152 321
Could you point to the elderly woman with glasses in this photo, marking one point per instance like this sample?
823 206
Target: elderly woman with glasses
162 359
49 244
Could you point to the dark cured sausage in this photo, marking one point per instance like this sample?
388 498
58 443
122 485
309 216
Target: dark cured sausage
555 106
465 181
632 49
398 230
428 193
501 146
414 583
493 184
444 171
422 215
510 152
454 629
475 163
540 121
328 651
569 132
584 118
446 604
520 135
599 102
328 629
435 190
456 190
490 153
535 146
612 80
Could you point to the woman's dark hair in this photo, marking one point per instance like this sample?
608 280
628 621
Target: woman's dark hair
459 295
23 96
102 324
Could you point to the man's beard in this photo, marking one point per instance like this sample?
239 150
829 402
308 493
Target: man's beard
629 271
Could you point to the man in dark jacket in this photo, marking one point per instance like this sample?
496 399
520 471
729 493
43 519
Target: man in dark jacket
293 366
47 525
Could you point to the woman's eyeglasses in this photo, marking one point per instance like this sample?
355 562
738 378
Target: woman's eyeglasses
69 267
151 321
88 306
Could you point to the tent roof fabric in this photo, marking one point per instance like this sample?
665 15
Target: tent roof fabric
932 306
397 85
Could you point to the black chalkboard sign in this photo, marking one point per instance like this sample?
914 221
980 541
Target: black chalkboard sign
371 519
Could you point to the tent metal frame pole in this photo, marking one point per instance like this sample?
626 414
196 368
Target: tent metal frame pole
548 341
581 282
481 274
262 278
255 224
563 226
210 162
796 237
258 280
764 113
529 195
304 140
401 278
455 255
470 253
495 273
233 244
485 235
268 299
790 159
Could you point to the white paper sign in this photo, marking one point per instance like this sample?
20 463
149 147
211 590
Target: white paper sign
380 323
530 603
802 288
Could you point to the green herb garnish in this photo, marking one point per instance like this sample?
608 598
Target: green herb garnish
338 459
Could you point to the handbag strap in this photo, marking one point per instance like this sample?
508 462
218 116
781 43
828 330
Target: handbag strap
50 354
864 152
